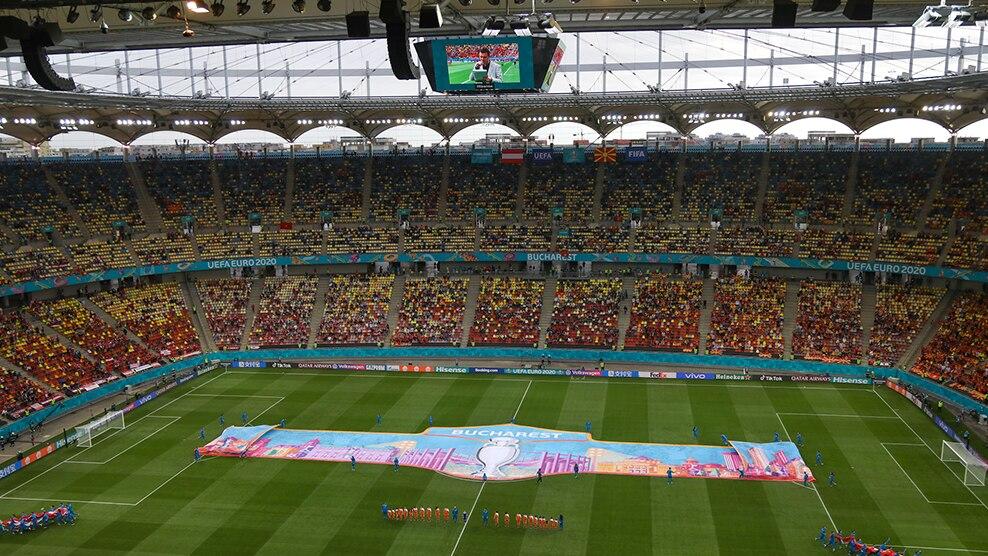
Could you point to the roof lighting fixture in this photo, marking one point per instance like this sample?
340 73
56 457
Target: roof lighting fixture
298 6
324 5
197 6
930 16
149 14
493 27
173 12
520 27
959 15
267 6
96 13
73 15
217 8
125 15
242 8
549 24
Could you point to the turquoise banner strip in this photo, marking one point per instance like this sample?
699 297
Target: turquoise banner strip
416 355
497 256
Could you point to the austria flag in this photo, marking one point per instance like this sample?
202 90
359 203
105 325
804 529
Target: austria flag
512 156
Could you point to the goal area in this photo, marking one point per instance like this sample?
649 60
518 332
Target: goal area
974 468
87 432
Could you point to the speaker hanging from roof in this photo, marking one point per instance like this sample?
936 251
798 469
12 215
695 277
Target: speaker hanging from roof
784 14
398 25
34 40
859 10
358 25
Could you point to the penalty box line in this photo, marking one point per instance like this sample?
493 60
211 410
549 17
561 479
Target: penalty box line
814 488
125 450
923 440
906 473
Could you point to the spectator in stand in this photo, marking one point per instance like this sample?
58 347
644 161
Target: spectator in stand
828 327
225 305
508 312
431 312
958 354
748 316
665 313
585 313
356 310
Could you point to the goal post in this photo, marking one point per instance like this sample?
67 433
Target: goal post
87 432
974 469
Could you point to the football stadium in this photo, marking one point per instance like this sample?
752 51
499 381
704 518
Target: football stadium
456 278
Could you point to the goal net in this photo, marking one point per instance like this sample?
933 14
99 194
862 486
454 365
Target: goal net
86 433
974 468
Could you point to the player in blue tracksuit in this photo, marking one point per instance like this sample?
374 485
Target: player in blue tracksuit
806 479
243 418
723 439
485 516
283 423
696 432
776 437
587 425
353 463
202 433
560 522
799 439
819 458
741 473
833 540
576 469
668 475
384 511
222 420
456 512
396 464
196 454
430 420
379 419
832 479
822 537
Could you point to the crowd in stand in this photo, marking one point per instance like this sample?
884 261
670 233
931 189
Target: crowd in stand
957 355
508 312
284 311
811 182
225 303
900 312
431 312
101 193
18 393
256 186
566 186
963 196
720 181
109 346
155 313
747 317
328 185
665 313
405 183
585 313
828 327
28 204
880 186
43 356
356 310
181 188
649 186
493 188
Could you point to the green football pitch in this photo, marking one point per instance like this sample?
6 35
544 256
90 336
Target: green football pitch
137 490
459 72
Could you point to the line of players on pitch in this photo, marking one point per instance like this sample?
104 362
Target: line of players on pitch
452 516
856 547
59 515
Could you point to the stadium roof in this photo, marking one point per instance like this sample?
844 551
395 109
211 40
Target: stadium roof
285 25
35 116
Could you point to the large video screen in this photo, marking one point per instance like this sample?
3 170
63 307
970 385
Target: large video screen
489 64
479 64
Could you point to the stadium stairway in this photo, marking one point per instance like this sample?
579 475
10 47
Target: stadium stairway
192 301
255 245
150 211
762 187
365 197
520 199
869 295
598 192
256 287
928 330
708 309
624 310
63 199
195 245
789 316
318 309
548 304
470 310
397 292
34 321
133 252
289 188
949 243
214 179
107 318
441 203
851 186
677 196
12 237
935 186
